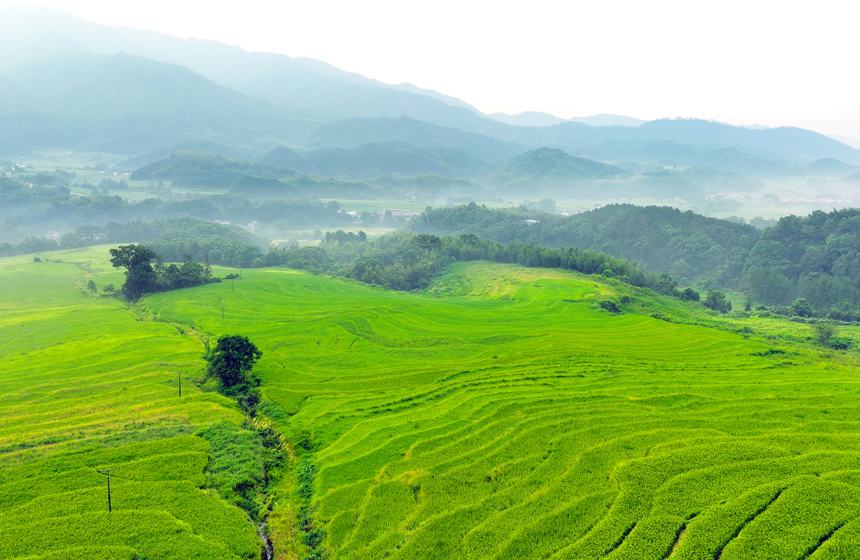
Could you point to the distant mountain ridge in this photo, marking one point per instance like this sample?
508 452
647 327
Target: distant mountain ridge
370 161
350 133
28 33
249 102
392 164
129 104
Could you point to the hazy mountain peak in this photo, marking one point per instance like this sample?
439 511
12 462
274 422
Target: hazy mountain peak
28 32
306 103
830 167
550 166
282 157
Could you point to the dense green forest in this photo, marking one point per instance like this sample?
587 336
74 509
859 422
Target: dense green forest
190 167
407 261
688 246
377 159
816 257
369 171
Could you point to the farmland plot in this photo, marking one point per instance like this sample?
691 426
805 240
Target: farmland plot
504 415
85 386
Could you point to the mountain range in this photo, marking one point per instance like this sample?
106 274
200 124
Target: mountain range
68 83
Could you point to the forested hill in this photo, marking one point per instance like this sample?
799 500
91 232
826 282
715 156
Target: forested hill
549 167
816 257
689 247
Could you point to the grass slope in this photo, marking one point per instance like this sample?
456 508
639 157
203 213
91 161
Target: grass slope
503 415
86 385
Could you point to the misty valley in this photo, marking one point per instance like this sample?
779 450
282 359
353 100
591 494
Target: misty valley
257 306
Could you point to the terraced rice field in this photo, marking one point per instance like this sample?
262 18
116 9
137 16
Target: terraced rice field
86 386
505 416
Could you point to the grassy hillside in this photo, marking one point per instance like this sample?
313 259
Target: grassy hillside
86 385
503 414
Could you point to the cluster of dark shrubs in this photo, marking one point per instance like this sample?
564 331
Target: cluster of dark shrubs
142 277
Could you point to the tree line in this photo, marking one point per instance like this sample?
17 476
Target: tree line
816 257
408 261
687 246
400 261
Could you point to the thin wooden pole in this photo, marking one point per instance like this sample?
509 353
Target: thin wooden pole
107 472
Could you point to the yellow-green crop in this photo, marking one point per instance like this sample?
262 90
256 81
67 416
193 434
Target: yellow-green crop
504 415
85 385
501 414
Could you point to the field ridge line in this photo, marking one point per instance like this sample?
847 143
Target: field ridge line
679 534
746 522
621 540
821 540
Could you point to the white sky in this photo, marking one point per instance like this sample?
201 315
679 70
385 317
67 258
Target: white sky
767 62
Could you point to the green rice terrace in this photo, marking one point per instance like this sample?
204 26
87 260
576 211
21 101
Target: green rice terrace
499 414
